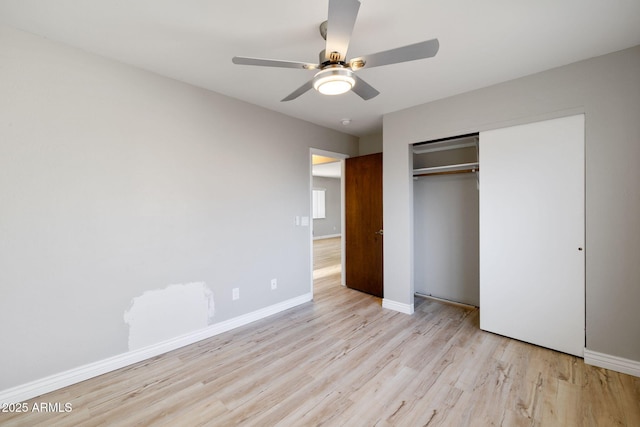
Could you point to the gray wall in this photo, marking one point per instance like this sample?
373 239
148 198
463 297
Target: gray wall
446 237
370 144
117 183
607 90
332 224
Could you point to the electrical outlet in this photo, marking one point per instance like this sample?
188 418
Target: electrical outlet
235 294
274 284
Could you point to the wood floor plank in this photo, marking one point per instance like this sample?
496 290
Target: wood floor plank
344 360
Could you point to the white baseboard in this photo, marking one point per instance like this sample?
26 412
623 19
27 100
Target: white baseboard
397 306
618 364
57 381
328 236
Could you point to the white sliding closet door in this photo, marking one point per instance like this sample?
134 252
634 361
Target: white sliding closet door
532 233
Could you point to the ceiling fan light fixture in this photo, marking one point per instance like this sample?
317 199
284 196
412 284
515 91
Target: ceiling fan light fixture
334 81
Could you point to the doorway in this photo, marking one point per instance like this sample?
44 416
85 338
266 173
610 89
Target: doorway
327 207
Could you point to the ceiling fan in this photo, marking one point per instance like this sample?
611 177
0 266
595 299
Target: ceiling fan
337 75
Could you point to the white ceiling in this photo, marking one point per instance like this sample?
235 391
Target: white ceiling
328 170
481 43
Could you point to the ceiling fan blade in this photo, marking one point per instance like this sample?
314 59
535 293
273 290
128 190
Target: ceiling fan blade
342 18
241 60
363 89
422 50
296 93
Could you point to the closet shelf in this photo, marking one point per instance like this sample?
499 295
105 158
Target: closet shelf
459 168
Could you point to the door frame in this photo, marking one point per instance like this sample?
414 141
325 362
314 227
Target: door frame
341 157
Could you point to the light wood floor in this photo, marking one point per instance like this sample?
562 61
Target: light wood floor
342 360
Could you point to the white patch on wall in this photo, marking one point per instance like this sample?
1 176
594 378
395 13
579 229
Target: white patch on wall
162 314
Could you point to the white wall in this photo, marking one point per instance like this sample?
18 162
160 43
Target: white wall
117 183
331 225
607 90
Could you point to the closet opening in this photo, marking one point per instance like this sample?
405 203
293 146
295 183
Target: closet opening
446 219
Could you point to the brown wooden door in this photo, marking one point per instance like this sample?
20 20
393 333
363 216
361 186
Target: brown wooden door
363 224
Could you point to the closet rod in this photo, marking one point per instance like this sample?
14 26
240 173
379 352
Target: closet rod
468 167
446 172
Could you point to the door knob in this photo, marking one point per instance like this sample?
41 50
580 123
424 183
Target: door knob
380 232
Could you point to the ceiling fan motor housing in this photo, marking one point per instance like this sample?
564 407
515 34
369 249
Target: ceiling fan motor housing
332 58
